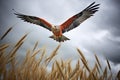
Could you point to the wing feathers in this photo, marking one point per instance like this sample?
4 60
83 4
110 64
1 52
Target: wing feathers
90 5
35 20
77 19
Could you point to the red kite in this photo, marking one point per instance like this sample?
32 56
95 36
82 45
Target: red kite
68 25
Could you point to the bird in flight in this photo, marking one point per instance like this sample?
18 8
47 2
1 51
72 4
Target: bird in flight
59 30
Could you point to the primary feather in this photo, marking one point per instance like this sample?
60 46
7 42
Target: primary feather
77 19
35 20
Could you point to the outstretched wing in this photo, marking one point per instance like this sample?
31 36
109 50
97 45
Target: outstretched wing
77 19
35 20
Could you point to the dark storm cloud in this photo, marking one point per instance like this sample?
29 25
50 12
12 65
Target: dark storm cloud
116 17
110 18
117 2
5 11
114 21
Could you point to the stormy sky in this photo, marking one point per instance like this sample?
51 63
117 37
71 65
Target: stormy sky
99 34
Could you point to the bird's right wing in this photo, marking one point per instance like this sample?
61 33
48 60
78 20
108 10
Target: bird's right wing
79 18
34 20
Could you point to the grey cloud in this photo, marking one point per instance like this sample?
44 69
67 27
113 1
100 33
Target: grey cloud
113 23
107 18
110 18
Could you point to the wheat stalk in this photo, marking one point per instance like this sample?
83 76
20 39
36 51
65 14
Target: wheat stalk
60 70
85 64
36 52
98 62
36 44
118 75
6 33
4 46
74 72
16 49
105 73
21 40
108 64
42 56
52 55
81 54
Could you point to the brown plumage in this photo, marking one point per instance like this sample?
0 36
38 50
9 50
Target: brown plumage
68 25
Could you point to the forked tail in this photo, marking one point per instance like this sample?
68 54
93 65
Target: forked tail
59 39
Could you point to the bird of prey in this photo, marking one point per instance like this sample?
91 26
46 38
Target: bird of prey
68 25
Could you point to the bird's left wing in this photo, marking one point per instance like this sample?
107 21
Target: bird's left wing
77 19
35 20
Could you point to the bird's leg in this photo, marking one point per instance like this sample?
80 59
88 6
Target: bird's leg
55 37
60 38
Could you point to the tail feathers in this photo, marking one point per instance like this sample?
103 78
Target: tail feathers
59 39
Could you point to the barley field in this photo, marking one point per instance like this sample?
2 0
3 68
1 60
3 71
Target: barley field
32 68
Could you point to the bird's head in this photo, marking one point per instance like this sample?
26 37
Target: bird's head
54 27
